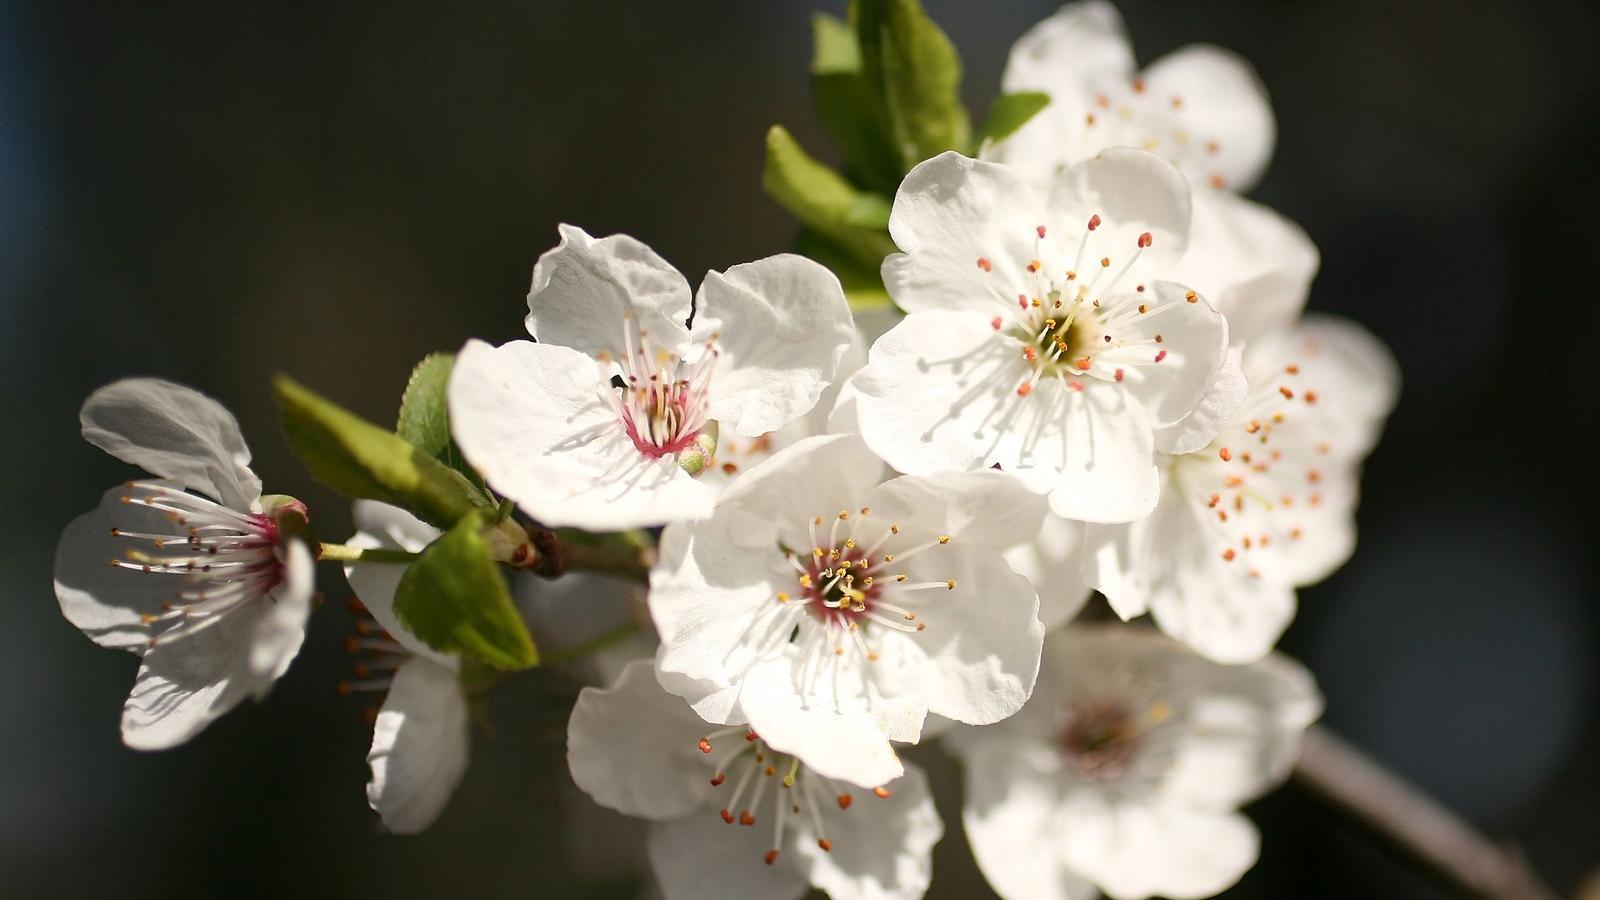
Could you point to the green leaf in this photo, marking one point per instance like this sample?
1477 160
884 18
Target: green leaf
455 600
424 422
1009 112
920 74
359 459
852 107
822 200
863 287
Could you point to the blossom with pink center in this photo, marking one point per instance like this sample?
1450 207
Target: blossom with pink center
193 570
604 421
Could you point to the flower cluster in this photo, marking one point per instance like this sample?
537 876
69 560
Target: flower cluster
1095 376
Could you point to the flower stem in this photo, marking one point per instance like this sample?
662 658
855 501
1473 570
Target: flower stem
594 644
1413 823
347 553
627 554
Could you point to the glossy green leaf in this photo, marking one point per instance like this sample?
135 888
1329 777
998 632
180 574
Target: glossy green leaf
1009 112
424 422
824 201
359 459
454 598
852 107
920 76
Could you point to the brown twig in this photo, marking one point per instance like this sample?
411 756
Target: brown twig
1413 823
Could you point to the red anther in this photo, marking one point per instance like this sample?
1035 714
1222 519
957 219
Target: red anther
1138 85
362 670
353 603
1145 240
995 323
1225 454
1119 374
704 745
844 801
1160 356
1030 354
1140 289
727 817
1292 369
1022 300
880 792
1215 499
369 714
1287 394
751 736
746 819
1024 389
1094 222
824 843
1311 396
1228 554
352 646
718 779
984 264
344 688
1076 385
771 857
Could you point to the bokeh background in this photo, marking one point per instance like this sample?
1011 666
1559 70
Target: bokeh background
334 190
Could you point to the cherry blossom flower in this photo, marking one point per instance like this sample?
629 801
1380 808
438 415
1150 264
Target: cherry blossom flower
602 423
421 741
421 737
1037 339
1201 107
1268 505
1125 771
833 611
193 570
711 796
1053 561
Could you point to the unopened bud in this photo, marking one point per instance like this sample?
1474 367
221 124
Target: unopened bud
697 457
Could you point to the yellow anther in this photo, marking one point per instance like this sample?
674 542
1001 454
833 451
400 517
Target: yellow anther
951 584
944 538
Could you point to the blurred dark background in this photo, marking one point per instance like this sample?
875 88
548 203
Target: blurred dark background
214 196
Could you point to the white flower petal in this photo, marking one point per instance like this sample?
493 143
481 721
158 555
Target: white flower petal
845 743
782 326
421 744
280 628
106 601
1009 814
1171 356
1053 560
982 644
1133 850
584 288
174 432
1134 192
880 849
1253 264
537 421
699 857
632 748
950 212
982 509
1215 410
1223 101
1109 472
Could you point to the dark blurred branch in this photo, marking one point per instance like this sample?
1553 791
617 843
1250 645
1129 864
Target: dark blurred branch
1413 823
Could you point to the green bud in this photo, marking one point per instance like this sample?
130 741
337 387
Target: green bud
696 457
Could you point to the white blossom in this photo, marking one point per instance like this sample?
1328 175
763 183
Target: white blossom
833 610
1201 107
1125 771
1037 339
1267 506
546 427
191 569
710 797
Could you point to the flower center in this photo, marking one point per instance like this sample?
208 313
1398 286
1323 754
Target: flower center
224 558
756 767
1101 739
1075 323
663 398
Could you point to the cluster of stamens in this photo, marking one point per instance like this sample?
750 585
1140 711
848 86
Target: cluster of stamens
1063 325
1101 740
795 791
377 655
1160 131
850 586
1249 461
224 558
663 399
